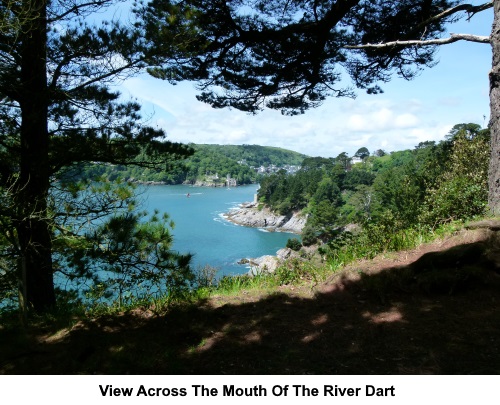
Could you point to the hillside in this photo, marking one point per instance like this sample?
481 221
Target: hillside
256 155
430 310
245 163
432 184
210 165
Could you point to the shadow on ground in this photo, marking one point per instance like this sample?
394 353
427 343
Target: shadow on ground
439 315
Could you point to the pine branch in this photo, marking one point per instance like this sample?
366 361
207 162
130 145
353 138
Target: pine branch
468 8
440 41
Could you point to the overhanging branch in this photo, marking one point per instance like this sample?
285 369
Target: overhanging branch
440 41
468 8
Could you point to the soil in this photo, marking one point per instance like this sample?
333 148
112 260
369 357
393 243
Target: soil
431 310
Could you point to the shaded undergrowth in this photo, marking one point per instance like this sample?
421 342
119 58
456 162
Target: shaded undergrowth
437 314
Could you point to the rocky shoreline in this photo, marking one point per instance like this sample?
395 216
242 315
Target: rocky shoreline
249 214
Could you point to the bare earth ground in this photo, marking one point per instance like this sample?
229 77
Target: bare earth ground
414 312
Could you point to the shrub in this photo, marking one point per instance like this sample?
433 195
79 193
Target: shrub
461 192
294 244
309 236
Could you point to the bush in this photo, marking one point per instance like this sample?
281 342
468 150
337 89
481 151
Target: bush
309 236
455 199
461 192
294 244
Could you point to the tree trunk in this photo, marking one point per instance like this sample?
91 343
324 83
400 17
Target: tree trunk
494 170
33 185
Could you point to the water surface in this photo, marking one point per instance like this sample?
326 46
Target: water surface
201 229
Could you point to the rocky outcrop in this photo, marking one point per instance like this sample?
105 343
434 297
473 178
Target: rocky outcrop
250 215
200 183
264 264
269 264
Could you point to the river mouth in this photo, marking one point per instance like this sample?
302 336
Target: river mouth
201 226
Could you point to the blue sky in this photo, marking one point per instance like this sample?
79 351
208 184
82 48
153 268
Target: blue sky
408 112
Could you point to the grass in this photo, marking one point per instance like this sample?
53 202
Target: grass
372 242
427 310
292 272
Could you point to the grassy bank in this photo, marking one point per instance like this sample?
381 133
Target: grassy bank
307 268
430 309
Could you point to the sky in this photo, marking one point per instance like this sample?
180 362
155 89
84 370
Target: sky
408 112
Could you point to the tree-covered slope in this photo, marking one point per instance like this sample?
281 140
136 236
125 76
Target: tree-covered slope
432 184
208 164
255 155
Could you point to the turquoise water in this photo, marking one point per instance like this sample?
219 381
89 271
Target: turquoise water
201 229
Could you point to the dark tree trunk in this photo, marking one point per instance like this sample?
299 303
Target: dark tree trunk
494 170
33 185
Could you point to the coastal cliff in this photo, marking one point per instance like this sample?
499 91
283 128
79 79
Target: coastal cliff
250 215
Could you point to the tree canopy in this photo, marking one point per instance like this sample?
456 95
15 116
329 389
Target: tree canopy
432 184
241 162
362 153
292 55
57 109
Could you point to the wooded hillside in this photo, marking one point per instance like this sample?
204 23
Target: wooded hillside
208 163
430 185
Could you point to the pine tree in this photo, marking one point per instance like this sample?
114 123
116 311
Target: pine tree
56 111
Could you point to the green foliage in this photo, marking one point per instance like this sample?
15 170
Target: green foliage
232 284
294 192
294 244
105 251
400 190
461 191
309 235
255 155
403 180
291 272
375 239
59 112
359 175
324 218
208 163
358 205
205 276
134 258
395 197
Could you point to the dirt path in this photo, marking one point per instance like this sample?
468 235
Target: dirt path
413 312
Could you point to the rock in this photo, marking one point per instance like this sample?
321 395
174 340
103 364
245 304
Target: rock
295 224
264 264
352 228
269 264
285 253
250 215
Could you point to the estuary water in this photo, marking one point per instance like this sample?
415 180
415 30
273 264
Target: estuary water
201 229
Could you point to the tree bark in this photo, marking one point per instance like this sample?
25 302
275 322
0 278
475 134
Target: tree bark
33 185
494 169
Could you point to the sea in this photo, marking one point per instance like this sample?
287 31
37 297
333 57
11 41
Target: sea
201 228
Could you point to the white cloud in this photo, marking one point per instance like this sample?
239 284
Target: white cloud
454 91
399 119
406 121
357 122
383 119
